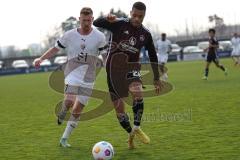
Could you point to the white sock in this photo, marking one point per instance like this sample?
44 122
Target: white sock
135 127
71 124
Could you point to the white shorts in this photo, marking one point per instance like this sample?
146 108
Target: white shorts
83 99
82 93
235 52
162 58
80 83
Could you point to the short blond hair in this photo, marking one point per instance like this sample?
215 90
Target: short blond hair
86 11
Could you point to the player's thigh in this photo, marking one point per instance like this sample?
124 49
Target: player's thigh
70 93
136 90
165 59
118 85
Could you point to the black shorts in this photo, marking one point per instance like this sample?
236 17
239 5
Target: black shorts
118 83
212 58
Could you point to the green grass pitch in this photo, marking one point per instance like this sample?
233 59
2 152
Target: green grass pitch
197 120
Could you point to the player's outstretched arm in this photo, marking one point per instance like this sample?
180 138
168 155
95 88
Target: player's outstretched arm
48 54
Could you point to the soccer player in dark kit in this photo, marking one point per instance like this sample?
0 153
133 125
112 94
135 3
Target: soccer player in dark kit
212 54
123 66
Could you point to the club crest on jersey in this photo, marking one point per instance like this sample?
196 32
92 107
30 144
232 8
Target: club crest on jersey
83 46
132 41
126 32
142 38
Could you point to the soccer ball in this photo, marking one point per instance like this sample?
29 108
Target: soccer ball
103 151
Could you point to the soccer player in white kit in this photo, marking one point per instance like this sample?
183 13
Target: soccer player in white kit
163 47
236 49
83 46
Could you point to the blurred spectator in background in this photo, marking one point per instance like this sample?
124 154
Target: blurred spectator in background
163 47
236 49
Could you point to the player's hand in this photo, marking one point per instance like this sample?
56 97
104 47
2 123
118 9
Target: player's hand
158 86
111 18
37 62
100 62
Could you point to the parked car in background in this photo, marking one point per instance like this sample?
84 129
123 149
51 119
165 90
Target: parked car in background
60 60
45 63
1 64
20 64
203 45
227 45
175 48
192 49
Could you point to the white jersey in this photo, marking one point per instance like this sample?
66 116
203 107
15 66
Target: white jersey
236 46
82 52
163 47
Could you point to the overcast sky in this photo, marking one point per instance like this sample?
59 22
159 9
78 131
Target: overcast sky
28 21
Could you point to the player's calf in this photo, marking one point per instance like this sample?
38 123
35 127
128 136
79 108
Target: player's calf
124 122
66 104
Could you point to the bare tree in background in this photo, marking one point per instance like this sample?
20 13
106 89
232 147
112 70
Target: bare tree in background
0 53
11 52
65 26
155 31
69 24
119 13
218 23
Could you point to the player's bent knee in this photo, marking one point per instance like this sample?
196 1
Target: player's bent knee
69 100
136 92
68 103
135 87
119 106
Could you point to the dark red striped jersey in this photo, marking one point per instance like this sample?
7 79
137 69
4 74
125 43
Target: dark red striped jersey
128 40
212 41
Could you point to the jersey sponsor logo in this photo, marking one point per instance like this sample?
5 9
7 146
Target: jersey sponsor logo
132 41
126 32
124 46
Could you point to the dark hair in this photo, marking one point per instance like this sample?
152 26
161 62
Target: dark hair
164 34
86 11
139 6
211 30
